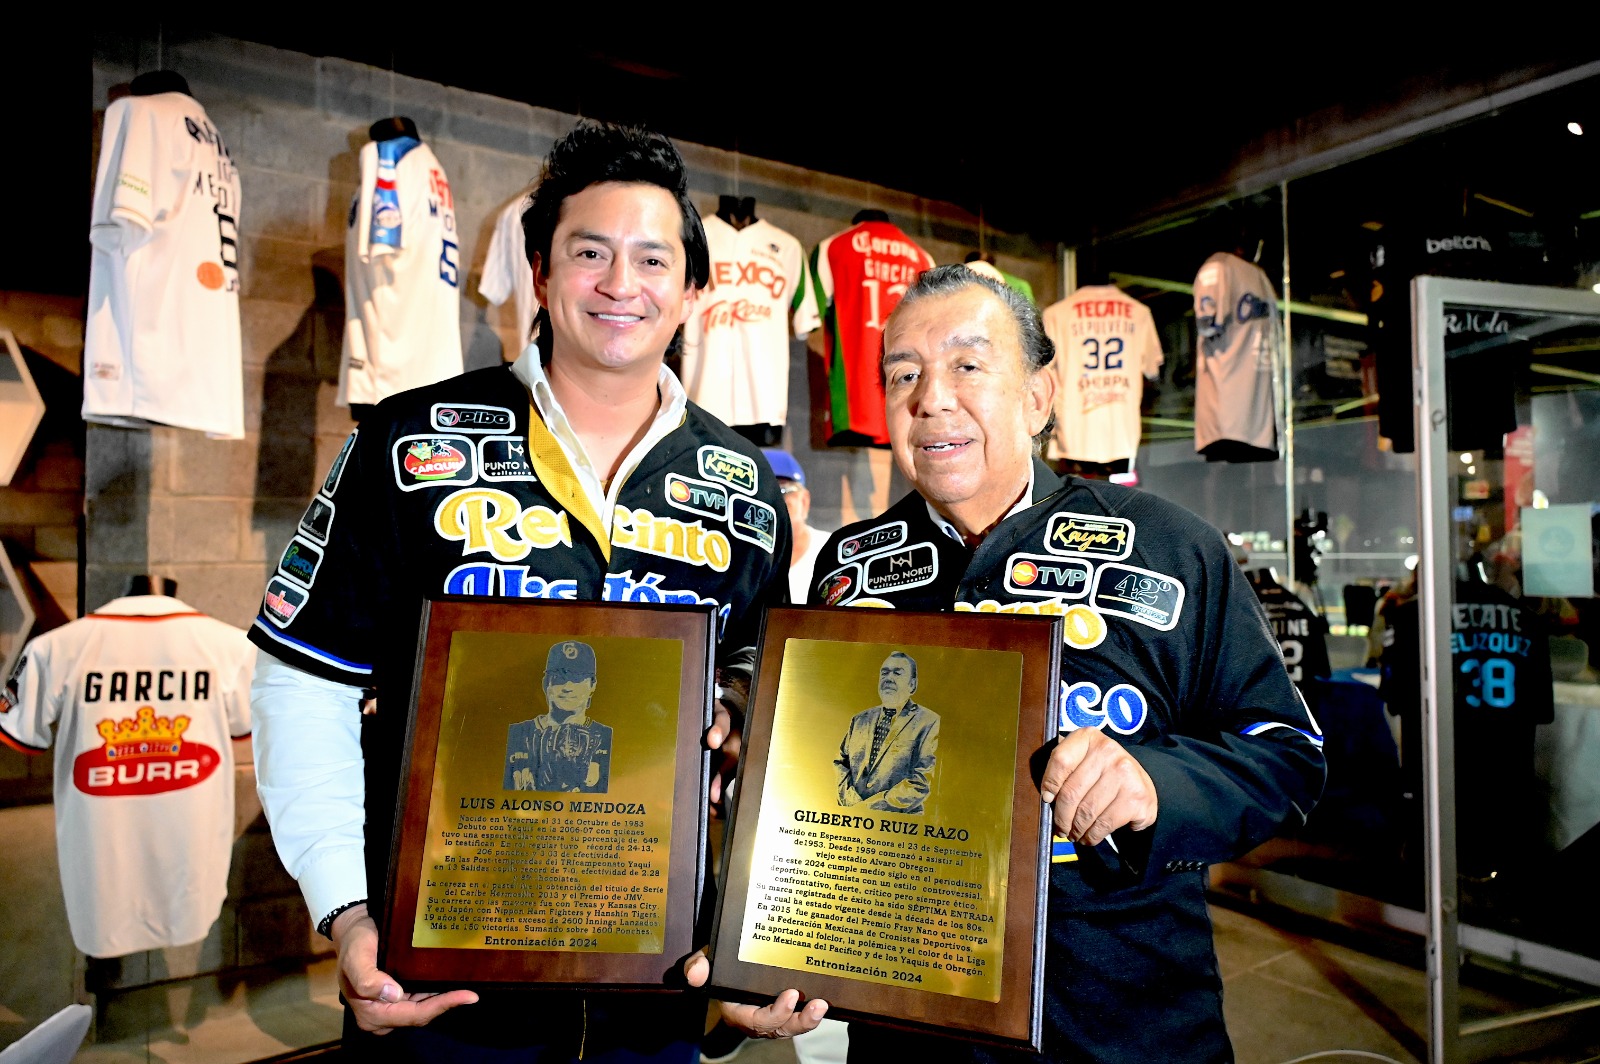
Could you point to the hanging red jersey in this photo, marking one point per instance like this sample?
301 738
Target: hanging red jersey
860 275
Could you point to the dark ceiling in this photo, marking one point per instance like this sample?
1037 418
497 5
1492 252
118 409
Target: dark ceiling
1055 128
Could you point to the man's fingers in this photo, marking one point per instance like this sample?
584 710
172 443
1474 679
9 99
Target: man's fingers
697 969
784 1018
721 725
1066 757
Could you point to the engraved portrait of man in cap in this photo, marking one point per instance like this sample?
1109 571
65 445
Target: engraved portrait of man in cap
562 749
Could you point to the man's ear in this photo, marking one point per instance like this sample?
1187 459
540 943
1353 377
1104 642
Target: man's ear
1039 399
690 295
541 278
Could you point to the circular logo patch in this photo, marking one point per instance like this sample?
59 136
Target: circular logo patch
1084 628
210 275
1024 573
680 491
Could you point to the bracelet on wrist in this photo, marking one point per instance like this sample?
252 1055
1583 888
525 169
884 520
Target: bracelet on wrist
325 925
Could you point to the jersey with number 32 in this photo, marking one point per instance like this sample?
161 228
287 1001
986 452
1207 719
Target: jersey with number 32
1106 345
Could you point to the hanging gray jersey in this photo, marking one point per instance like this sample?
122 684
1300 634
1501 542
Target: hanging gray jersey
1235 400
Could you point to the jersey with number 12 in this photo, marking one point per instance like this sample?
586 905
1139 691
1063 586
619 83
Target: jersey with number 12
402 275
860 275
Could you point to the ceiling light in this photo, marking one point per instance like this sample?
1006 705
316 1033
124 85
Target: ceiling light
1575 129
1596 286
1466 458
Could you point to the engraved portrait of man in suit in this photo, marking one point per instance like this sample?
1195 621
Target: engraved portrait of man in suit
887 758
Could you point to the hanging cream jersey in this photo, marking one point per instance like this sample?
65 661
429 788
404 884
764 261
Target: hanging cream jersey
1106 345
1236 380
143 695
402 272
162 341
736 343
506 273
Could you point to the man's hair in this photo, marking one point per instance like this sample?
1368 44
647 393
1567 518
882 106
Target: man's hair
1038 350
595 152
913 661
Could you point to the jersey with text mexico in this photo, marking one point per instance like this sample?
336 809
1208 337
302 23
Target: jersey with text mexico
144 695
402 263
1236 379
162 342
736 343
459 489
860 276
506 272
1167 652
1106 346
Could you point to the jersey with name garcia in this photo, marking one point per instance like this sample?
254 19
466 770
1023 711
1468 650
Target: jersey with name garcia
736 343
143 695
162 343
402 260
1106 346
1167 652
861 275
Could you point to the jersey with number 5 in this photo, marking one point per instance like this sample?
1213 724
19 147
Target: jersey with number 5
1106 346
402 260
860 276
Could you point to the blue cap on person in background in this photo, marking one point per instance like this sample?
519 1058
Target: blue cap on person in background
784 465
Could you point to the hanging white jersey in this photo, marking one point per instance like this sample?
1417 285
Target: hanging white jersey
736 343
143 695
402 258
506 272
1106 346
162 341
1236 380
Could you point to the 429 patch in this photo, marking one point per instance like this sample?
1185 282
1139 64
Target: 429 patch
754 522
1142 595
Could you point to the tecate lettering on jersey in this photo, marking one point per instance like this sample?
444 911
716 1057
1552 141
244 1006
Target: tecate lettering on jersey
904 569
282 601
1123 709
472 417
1103 308
330 483
1142 595
148 685
300 561
667 537
1076 534
754 522
873 541
318 519
505 458
730 467
432 461
484 519
1048 576
697 496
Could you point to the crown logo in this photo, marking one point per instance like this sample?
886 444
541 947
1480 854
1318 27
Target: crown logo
142 735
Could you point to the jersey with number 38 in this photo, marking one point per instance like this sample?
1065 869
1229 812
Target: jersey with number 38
162 342
402 275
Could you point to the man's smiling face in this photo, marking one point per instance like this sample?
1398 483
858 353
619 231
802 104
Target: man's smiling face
962 407
615 286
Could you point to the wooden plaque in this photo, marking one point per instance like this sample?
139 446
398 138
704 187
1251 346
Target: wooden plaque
552 825
894 864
